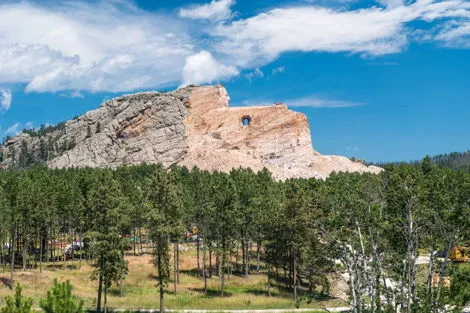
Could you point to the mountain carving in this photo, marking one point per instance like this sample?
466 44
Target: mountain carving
192 126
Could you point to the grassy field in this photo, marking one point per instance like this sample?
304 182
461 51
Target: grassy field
140 288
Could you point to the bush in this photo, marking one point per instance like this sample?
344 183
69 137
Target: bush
59 299
18 303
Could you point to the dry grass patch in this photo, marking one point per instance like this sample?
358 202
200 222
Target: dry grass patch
140 287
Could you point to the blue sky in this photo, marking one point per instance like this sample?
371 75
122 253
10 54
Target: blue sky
381 80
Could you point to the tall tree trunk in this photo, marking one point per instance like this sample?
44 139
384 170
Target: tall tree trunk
140 241
134 241
160 279
294 281
217 258
204 274
51 246
430 275
258 248
210 262
100 288
412 243
243 254
197 252
82 247
221 270
105 299
175 263
247 255
73 246
40 254
12 250
4 259
222 277
25 253
442 270
269 281
64 265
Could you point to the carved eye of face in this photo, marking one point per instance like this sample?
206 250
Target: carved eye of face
246 121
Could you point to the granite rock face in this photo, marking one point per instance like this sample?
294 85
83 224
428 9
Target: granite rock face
193 126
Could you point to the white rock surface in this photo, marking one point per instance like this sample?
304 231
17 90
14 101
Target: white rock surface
193 126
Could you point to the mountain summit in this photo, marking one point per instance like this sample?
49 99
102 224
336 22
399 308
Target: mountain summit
192 126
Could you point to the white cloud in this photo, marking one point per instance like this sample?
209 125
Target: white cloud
391 3
216 10
98 46
318 102
279 70
16 128
355 148
372 31
455 34
306 102
12 130
112 45
5 99
77 94
256 73
203 68
73 94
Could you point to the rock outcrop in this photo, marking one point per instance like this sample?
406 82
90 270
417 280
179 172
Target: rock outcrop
193 126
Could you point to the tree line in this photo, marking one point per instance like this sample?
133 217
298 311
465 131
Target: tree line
301 232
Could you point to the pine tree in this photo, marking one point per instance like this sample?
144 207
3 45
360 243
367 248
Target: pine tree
163 222
107 244
59 299
18 303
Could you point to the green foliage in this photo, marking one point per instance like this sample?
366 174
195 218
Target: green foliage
45 129
459 290
18 303
59 299
368 227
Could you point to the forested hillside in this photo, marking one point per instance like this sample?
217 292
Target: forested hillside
368 227
454 160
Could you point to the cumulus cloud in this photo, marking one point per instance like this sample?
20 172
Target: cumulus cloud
98 46
370 31
5 99
216 10
202 67
106 45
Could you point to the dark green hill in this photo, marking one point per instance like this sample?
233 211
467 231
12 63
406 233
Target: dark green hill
455 160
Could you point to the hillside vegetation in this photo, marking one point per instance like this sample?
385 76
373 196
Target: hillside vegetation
454 160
